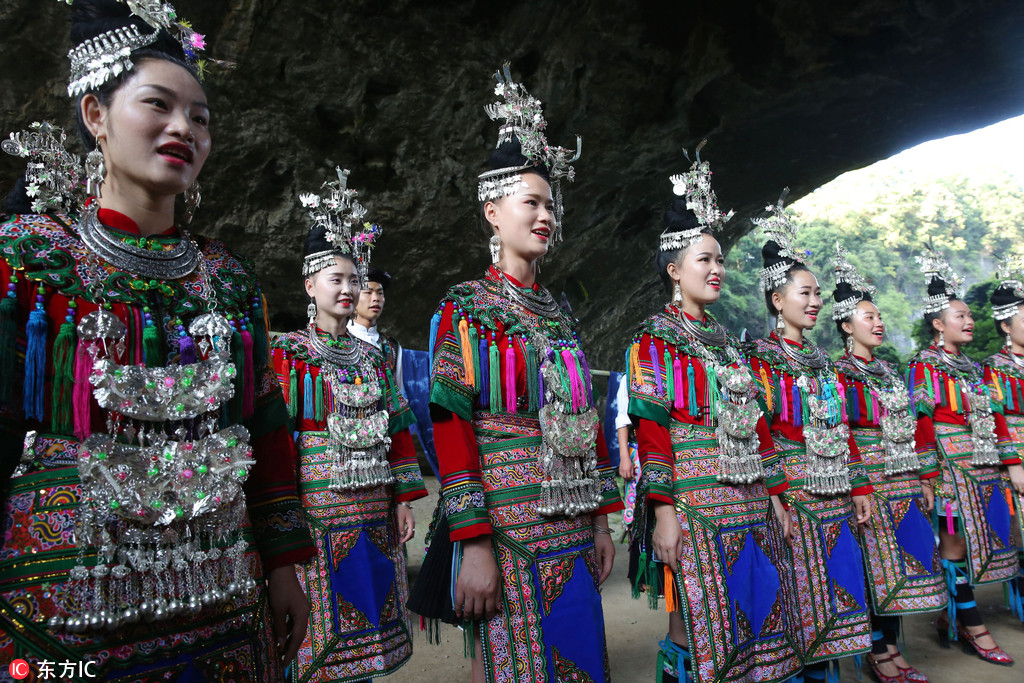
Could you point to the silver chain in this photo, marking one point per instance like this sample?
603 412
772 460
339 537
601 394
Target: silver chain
172 264
539 303
347 357
814 360
872 368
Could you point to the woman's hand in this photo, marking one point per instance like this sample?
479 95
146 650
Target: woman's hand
1016 473
862 509
929 496
626 469
785 519
668 536
603 547
289 610
406 523
478 586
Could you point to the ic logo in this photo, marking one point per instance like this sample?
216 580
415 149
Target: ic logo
18 669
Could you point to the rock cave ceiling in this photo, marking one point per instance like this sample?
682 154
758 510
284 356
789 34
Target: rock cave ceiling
788 92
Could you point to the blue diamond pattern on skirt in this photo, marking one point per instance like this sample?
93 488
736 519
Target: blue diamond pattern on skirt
846 564
915 536
998 514
364 578
753 584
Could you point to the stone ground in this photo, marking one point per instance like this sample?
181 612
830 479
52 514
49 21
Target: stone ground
633 631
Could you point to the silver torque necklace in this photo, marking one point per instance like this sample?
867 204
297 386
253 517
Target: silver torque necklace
871 368
173 264
814 359
713 337
959 362
340 357
539 303
1016 361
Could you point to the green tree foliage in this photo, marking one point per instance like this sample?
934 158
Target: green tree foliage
884 218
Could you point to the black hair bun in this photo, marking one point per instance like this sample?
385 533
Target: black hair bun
90 18
936 286
510 155
1004 296
316 241
678 217
844 291
771 255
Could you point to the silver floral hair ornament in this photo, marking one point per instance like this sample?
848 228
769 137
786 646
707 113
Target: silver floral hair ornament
695 185
106 56
53 174
778 228
935 267
1010 272
847 272
523 118
340 215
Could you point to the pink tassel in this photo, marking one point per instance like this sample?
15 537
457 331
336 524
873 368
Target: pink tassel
950 525
510 378
874 406
842 401
250 376
935 380
677 384
81 395
786 417
576 386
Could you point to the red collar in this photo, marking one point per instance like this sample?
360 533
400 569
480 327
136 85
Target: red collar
788 341
497 274
119 221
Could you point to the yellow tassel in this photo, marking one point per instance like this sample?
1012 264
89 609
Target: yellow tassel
671 599
634 364
951 393
767 390
997 385
467 352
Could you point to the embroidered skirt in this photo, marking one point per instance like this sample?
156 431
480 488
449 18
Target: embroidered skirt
734 575
904 570
981 501
232 641
357 583
551 624
828 567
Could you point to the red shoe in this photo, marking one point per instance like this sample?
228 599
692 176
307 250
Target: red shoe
910 673
995 655
879 676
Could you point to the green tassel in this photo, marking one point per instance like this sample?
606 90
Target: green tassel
691 390
563 374
714 392
293 392
8 347
318 398
532 386
635 587
63 379
670 384
393 394
238 358
151 347
474 345
651 571
494 374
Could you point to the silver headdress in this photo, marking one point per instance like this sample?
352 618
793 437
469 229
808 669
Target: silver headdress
847 272
524 119
935 267
695 185
338 213
106 56
779 229
53 174
1009 271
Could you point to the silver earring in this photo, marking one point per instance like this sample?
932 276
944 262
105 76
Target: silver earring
192 199
780 324
1009 342
942 340
311 311
677 294
494 245
849 344
95 171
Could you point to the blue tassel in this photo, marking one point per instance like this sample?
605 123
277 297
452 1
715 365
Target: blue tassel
484 388
795 407
653 351
1016 599
1009 395
691 390
308 403
853 404
35 364
435 324
951 574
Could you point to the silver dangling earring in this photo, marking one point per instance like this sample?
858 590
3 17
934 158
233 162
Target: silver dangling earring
95 171
1009 342
677 294
494 245
192 199
311 311
780 324
942 340
849 345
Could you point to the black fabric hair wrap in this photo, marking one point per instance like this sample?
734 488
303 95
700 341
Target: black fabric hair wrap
510 155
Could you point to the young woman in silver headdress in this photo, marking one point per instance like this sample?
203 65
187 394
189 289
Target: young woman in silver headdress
144 403
828 494
960 424
357 463
520 541
900 556
709 505
1004 373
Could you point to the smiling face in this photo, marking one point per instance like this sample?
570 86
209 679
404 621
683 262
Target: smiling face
799 300
1015 328
335 290
699 270
154 132
525 220
956 324
866 327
